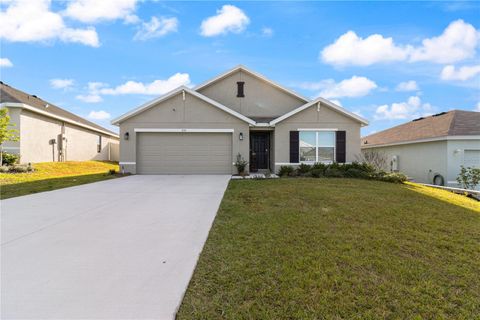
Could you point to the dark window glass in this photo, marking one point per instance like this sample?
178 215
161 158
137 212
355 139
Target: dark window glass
240 87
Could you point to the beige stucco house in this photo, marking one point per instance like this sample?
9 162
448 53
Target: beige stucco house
431 149
50 133
202 130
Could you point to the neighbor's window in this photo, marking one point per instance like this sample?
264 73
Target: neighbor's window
99 144
317 146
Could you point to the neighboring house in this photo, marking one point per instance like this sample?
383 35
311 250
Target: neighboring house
49 133
431 149
202 130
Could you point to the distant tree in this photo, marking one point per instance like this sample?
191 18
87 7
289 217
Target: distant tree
374 158
6 133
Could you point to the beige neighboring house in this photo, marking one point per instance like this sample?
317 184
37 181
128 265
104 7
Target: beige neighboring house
202 130
49 133
431 149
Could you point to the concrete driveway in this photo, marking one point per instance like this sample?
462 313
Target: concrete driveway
117 249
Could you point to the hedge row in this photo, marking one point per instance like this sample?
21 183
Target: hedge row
337 170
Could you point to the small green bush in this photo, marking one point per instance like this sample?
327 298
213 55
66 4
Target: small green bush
320 166
317 173
4 169
285 171
241 164
333 172
9 159
356 173
19 168
469 177
303 169
394 177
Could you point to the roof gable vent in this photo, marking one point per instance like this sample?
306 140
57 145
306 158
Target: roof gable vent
240 89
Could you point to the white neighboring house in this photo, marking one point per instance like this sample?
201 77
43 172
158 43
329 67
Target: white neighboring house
431 149
49 133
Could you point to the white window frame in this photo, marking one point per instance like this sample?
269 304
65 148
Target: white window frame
317 131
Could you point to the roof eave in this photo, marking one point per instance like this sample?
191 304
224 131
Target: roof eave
363 121
176 91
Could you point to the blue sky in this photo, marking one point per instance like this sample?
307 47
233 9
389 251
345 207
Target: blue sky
387 61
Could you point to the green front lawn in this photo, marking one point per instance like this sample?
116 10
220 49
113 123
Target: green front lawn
338 249
54 175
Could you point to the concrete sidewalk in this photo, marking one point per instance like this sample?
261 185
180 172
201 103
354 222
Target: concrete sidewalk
118 249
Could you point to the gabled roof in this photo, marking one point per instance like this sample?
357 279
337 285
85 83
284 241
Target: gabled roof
12 97
253 73
174 92
442 125
325 102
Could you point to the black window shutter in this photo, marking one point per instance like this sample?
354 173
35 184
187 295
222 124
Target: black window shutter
340 146
294 143
240 89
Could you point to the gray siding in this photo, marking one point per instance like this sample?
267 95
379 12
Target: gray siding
420 161
310 118
37 130
261 98
176 113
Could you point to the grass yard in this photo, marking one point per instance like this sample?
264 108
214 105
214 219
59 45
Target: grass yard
54 175
338 249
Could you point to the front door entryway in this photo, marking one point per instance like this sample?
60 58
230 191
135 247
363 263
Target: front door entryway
259 151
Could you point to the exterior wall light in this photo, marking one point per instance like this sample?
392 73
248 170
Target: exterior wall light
126 136
240 136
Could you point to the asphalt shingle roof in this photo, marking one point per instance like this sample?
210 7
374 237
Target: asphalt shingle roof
10 94
451 123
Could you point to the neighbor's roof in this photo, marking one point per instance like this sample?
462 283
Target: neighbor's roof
451 123
9 94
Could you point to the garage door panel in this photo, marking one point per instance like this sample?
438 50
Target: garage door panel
184 153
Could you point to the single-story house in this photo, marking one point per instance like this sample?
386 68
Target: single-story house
431 149
239 112
50 133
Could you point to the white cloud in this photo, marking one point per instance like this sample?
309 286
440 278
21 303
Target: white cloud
353 87
228 19
131 19
477 108
89 98
99 115
61 83
5 63
267 32
156 87
412 108
93 95
30 21
91 11
457 42
407 86
350 49
463 73
157 27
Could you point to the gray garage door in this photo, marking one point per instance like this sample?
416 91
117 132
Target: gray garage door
184 153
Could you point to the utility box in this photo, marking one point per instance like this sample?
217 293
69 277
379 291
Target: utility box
394 163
